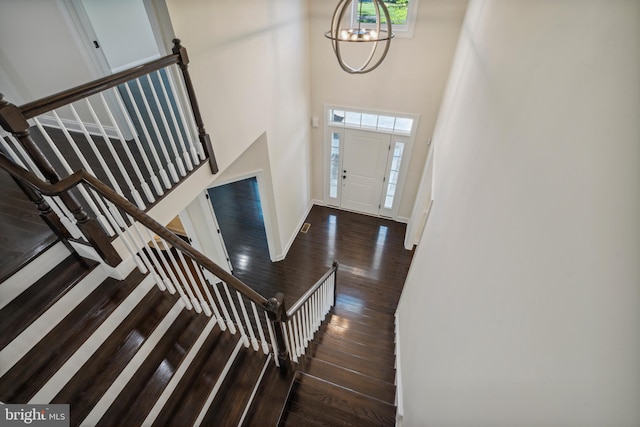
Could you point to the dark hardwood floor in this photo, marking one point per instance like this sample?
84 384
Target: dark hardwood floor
23 234
373 261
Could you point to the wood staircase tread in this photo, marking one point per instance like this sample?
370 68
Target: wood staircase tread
92 380
340 403
353 313
305 416
357 349
133 403
352 380
377 343
363 327
32 371
269 402
187 400
39 297
232 398
379 370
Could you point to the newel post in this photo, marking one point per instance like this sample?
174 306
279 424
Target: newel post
12 120
203 136
278 315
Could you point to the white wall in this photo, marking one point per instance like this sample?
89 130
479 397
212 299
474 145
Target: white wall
522 306
39 55
249 64
410 80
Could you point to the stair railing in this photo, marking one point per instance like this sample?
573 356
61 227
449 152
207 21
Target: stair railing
139 130
305 316
177 267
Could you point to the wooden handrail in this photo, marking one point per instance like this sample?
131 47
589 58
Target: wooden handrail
298 304
82 177
35 108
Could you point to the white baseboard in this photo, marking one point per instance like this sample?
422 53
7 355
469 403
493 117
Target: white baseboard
73 125
295 234
399 399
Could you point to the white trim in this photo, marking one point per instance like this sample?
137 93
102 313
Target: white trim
255 390
218 384
399 396
179 373
402 219
90 346
23 343
134 364
295 234
32 272
161 25
74 126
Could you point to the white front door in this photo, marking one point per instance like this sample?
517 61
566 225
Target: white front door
363 170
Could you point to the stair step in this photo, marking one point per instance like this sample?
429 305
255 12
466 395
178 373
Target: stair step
305 416
364 351
354 324
270 399
373 342
352 380
332 402
187 400
380 370
32 272
230 402
92 380
32 371
363 315
138 396
23 310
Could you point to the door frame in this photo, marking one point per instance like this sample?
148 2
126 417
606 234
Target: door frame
267 212
407 138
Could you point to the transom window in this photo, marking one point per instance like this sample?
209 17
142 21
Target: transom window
371 121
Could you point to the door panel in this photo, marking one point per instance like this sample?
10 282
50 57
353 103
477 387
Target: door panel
364 167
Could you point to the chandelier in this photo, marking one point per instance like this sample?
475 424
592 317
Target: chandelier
373 35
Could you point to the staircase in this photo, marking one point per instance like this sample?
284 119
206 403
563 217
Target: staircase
122 352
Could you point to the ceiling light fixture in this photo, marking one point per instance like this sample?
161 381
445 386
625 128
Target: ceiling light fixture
341 33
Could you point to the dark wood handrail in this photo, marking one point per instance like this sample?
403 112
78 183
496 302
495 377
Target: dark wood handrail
298 304
82 177
35 108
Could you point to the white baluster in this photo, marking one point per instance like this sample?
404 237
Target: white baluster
188 126
103 209
162 266
185 155
123 171
65 164
132 161
163 119
223 306
194 285
151 147
254 341
265 346
183 280
212 303
245 339
289 339
156 131
297 335
274 343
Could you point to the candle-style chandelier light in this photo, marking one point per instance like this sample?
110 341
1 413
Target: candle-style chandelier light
343 31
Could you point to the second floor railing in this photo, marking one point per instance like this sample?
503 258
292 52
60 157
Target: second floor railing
94 157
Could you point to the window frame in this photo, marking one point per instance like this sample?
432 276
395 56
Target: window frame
400 31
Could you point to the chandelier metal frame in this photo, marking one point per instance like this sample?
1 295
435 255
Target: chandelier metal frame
339 34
